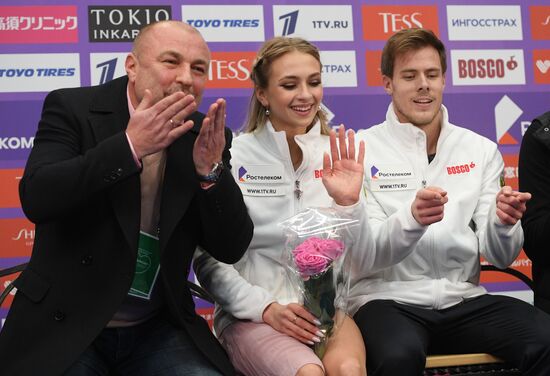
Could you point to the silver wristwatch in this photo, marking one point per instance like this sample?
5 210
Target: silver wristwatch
214 175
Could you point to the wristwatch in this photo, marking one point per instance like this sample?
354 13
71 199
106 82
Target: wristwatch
214 174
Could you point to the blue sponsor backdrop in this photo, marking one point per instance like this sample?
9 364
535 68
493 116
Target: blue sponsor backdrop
492 106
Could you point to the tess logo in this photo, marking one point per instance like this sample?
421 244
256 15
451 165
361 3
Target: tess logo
230 70
382 21
460 169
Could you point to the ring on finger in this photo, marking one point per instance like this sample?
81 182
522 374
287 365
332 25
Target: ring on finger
295 319
172 123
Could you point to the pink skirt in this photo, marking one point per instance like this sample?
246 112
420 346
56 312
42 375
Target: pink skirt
258 349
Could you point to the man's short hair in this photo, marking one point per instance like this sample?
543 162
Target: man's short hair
407 40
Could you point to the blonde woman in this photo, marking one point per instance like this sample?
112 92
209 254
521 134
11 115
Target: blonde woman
282 165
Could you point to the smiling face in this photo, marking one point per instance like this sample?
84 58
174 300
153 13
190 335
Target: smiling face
168 58
293 93
417 87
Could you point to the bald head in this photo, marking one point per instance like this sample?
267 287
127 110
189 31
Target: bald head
150 30
167 57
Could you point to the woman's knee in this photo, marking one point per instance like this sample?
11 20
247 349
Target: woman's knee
348 367
310 370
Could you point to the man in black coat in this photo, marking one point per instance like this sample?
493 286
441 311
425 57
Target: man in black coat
534 177
124 181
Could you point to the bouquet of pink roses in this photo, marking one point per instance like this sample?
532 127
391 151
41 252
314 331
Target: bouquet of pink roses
316 264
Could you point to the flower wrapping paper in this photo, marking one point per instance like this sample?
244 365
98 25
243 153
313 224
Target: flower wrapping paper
316 264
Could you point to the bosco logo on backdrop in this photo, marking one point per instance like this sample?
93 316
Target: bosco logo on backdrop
339 69
541 70
314 22
226 23
488 67
106 66
540 21
382 21
38 24
484 22
122 23
38 72
230 70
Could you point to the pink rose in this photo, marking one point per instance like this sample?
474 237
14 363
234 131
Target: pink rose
315 255
330 248
310 264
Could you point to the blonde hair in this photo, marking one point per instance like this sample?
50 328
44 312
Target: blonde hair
270 51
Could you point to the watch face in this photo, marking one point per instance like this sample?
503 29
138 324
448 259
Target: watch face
214 174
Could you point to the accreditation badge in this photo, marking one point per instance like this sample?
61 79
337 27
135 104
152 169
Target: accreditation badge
261 180
147 266
392 178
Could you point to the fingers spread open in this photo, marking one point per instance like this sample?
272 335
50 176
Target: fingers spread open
342 141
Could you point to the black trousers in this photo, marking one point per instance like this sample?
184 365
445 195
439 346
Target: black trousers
398 337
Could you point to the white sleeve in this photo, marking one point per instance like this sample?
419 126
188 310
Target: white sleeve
394 236
230 290
500 244
380 241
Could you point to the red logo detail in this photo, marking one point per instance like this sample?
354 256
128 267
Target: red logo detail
541 59
318 174
9 189
230 70
511 64
382 21
17 236
482 68
507 139
510 172
540 22
372 60
460 169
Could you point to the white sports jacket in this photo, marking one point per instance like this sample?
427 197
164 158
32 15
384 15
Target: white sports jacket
273 191
433 266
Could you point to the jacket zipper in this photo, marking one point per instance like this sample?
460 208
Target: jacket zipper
297 191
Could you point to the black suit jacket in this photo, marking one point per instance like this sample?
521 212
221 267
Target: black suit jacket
534 177
81 188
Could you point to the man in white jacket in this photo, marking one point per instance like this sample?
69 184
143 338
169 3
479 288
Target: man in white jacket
435 206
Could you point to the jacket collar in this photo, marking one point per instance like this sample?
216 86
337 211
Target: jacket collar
407 133
275 141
